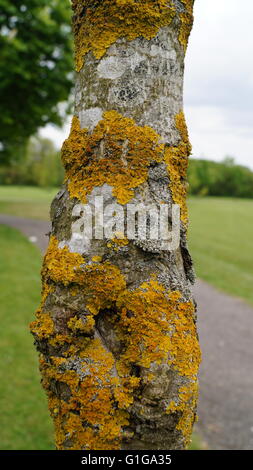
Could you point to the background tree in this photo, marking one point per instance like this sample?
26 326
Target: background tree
40 165
36 65
116 328
224 178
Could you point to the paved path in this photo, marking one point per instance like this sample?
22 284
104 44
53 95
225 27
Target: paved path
226 374
34 229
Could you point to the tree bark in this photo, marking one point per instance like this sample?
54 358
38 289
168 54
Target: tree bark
116 329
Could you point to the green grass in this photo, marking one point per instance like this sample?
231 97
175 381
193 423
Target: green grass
26 201
25 422
197 442
221 234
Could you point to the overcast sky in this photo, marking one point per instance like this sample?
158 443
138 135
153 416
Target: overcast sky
218 92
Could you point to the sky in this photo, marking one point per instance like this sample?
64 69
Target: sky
218 89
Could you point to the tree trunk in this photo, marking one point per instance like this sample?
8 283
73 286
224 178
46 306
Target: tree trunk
116 329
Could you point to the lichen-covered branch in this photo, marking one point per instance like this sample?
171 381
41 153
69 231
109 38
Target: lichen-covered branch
116 328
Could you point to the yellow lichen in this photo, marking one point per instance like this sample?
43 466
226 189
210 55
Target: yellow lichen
59 340
167 331
97 259
99 282
84 325
168 325
43 327
121 161
186 406
119 241
60 265
97 26
91 406
87 417
186 22
176 159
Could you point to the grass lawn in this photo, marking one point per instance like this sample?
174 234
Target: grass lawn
26 201
25 422
221 236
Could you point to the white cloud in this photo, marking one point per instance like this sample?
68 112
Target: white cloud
219 80
56 134
213 138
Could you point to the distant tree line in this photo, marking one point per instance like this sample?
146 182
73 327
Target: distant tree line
226 178
41 166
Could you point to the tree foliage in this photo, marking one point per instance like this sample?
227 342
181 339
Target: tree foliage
220 178
40 165
36 64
